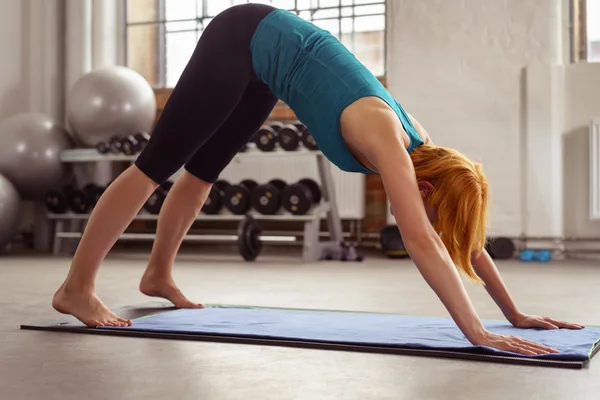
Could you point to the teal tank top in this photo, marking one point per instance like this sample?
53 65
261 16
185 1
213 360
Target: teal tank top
318 77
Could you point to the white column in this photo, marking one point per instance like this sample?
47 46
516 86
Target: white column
543 172
78 40
105 33
46 51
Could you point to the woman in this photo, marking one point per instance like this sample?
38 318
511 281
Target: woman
248 57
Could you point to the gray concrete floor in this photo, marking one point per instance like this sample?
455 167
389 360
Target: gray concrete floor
45 365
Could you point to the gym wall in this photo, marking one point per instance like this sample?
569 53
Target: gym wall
478 77
485 76
14 68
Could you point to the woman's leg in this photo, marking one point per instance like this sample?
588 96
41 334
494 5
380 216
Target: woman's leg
188 194
208 91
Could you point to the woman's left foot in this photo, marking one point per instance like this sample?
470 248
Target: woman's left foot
154 286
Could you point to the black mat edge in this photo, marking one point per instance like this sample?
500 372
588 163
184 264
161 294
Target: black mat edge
68 324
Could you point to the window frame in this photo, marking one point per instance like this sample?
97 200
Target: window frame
161 22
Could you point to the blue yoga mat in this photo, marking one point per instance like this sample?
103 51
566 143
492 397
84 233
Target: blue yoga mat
355 328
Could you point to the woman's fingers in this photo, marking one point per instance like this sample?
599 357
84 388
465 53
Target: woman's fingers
538 348
563 324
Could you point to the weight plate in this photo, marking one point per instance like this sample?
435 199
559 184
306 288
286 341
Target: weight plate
277 126
237 199
501 248
266 199
155 201
115 145
296 199
278 183
307 140
221 185
78 202
56 202
102 148
249 243
214 202
289 138
93 193
249 184
314 188
391 242
266 139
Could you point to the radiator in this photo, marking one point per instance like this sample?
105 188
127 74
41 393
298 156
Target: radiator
349 187
594 165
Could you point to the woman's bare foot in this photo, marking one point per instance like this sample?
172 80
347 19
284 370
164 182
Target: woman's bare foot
86 307
154 285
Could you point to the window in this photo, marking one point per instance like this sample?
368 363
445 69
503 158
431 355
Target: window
162 34
593 30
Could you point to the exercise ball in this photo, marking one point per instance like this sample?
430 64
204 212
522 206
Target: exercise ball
30 147
110 102
10 211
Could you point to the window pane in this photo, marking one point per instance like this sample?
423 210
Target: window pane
180 26
236 2
142 51
214 7
347 11
141 11
362 10
329 3
369 48
331 25
326 13
180 9
369 24
303 4
367 1
347 25
285 4
179 47
306 15
347 2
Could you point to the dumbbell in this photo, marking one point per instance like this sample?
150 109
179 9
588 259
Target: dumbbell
115 145
238 198
306 138
266 139
102 147
266 198
214 201
143 138
157 198
93 193
56 202
300 197
289 138
277 126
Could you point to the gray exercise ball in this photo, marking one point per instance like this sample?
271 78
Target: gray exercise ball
10 211
109 102
30 147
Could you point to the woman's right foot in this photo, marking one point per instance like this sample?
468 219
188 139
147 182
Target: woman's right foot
87 308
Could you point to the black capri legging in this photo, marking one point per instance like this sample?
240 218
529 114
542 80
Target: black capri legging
217 105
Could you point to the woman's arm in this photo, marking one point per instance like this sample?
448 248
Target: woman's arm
489 274
486 269
386 152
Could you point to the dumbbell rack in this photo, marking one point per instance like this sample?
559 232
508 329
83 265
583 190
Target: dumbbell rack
313 248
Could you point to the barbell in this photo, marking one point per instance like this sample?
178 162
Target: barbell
248 238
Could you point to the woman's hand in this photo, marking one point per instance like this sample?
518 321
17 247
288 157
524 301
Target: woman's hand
513 344
534 321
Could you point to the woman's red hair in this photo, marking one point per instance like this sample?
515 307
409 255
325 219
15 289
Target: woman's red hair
460 198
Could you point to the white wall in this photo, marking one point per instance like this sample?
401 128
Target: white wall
583 102
459 66
13 68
